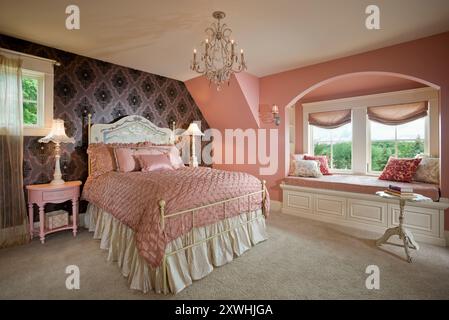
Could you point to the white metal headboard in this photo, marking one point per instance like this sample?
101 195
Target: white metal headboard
130 129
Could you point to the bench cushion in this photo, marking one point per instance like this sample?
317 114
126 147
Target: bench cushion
361 184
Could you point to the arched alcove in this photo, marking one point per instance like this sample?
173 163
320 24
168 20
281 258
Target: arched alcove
346 86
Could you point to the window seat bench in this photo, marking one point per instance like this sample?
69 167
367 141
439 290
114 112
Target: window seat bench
361 184
350 200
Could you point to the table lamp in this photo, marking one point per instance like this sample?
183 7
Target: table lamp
57 135
193 131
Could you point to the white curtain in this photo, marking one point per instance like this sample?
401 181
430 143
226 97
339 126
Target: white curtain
13 218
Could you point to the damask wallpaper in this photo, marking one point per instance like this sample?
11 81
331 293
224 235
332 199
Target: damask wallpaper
83 85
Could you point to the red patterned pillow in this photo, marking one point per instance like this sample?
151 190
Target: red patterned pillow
324 166
400 169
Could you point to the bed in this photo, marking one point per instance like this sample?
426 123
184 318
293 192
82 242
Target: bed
164 228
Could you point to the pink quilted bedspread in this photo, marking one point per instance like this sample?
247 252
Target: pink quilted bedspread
133 199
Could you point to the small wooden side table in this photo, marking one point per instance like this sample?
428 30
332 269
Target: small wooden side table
404 234
42 194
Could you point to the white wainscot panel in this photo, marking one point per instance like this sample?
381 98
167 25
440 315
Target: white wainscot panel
330 205
299 201
419 220
370 212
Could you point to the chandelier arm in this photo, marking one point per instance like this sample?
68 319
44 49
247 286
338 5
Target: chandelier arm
210 30
218 61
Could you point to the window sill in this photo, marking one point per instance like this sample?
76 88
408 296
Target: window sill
374 174
349 173
35 132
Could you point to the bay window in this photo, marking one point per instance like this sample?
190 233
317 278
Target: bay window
359 134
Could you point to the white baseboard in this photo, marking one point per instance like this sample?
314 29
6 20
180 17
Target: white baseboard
275 205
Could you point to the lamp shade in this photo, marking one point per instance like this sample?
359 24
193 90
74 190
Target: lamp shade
57 133
275 109
193 130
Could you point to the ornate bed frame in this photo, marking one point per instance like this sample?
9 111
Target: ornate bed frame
133 129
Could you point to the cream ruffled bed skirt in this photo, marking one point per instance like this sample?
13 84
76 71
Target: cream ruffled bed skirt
184 266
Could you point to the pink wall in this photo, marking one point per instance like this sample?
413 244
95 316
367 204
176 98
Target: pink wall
230 107
249 85
425 60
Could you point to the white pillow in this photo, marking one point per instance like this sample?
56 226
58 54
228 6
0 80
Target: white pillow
298 156
293 158
428 170
307 168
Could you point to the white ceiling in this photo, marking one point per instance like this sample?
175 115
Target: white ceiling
277 35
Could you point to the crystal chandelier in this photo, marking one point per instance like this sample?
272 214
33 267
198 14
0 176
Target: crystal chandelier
218 61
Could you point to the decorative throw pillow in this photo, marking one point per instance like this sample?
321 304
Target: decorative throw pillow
126 157
153 162
428 170
400 169
173 151
324 166
102 157
293 158
307 168
125 161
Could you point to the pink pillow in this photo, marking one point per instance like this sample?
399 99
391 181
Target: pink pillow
324 166
102 157
126 157
173 152
150 162
400 169
125 160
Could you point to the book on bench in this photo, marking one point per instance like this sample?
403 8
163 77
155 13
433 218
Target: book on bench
400 189
403 192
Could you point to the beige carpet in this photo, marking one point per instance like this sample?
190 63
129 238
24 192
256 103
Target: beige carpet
302 259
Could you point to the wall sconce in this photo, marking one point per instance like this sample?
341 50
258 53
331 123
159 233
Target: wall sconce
276 116
270 115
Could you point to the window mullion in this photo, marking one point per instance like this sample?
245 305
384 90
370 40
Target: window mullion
396 141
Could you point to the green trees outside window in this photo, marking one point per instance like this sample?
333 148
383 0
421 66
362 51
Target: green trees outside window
30 100
382 150
336 144
341 154
402 141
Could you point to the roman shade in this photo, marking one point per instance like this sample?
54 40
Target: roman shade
399 113
330 119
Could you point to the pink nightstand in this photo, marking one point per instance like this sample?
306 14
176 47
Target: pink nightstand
41 194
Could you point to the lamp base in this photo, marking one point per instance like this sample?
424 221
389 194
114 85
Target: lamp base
57 182
193 162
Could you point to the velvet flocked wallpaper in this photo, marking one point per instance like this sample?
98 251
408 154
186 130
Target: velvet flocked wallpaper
83 85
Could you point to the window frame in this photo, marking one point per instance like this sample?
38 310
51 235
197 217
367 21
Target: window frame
347 171
361 153
44 67
396 140
40 77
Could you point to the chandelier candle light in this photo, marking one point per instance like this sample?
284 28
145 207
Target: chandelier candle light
219 60
58 136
